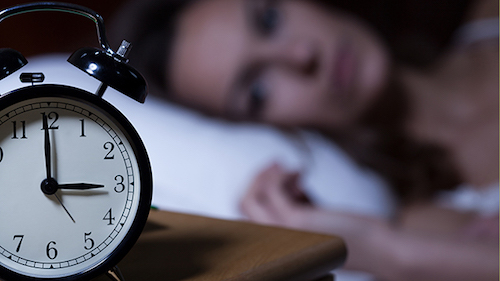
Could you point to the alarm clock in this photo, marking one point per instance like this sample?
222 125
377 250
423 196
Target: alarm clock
75 177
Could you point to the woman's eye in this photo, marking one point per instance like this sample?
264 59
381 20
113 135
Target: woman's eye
256 99
268 20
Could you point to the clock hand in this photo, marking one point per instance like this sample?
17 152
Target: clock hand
50 186
47 147
79 186
60 202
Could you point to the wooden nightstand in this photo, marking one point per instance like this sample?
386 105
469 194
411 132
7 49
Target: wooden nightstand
185 247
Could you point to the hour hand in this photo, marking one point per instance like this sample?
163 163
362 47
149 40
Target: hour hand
79 186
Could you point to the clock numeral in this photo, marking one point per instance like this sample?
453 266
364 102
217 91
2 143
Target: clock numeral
50 116
14 129
51 251
109 217
120 187
88 240
82 122
109 146
20 237
1 154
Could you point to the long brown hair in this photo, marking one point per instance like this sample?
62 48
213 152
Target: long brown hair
416 31
415 170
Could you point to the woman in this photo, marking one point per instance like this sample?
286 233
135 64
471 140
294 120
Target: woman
297 64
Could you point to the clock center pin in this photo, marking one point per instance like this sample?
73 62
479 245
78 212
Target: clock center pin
49 186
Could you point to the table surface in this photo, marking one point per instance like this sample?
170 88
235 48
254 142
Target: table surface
185 247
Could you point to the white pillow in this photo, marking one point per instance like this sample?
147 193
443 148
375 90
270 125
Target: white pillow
203 165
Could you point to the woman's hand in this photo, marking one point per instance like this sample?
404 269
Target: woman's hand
275 197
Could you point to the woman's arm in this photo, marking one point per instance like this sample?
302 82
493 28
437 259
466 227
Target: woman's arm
411 256
374 245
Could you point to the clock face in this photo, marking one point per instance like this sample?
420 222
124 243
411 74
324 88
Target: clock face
75 184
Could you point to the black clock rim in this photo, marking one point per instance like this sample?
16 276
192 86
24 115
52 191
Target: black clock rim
145 172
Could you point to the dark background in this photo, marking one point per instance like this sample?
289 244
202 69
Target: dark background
416 30
48 32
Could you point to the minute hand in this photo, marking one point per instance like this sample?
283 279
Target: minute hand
47 147
79 186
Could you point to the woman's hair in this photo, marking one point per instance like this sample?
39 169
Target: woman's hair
415 30
415 170
150 26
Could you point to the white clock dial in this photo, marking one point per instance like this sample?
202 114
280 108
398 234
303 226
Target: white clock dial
92 165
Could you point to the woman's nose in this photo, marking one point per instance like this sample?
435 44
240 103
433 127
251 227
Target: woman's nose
298 55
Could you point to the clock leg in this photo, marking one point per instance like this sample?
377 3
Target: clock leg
115 274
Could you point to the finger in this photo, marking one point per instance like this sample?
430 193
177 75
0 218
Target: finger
259 213
295 190
279 199
262 181
255 203
284 206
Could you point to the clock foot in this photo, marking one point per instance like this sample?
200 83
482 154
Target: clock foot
115 274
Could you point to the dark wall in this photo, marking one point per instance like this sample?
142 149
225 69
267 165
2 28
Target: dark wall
48 32
411 26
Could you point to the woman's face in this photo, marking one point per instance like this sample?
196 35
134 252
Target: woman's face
290 63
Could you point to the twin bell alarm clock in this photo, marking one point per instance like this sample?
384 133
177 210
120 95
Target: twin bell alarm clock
75 178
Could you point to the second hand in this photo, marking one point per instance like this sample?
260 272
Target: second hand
60 202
